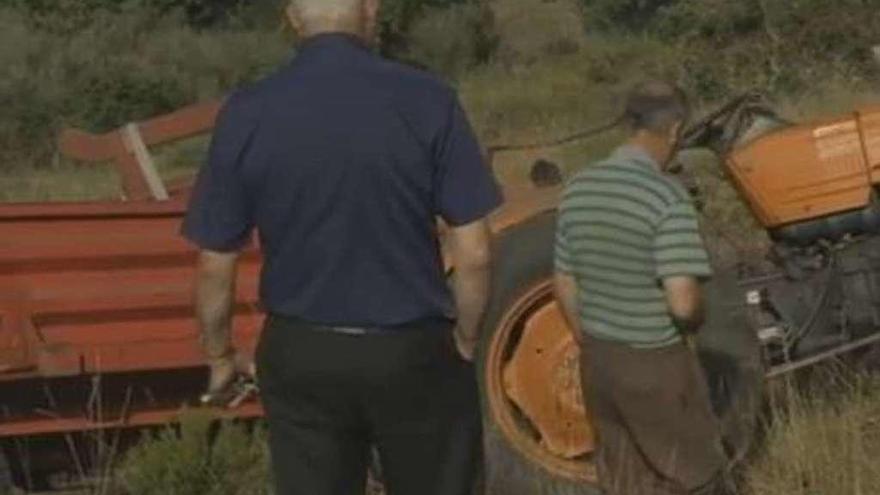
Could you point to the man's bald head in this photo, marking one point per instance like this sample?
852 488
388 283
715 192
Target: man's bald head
656 106
656 111
358 17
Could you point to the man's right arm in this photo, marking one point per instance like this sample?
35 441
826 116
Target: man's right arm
465 193
685 302
682 262
470 248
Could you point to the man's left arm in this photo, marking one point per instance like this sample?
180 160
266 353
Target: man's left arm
220 222
215 299
565 284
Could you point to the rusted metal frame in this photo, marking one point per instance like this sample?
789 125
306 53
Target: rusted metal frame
16 349
863 142
149 172
134 419
530 203
52 212
784 369
117 145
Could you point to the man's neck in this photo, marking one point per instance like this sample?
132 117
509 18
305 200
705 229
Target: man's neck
350 29
651 146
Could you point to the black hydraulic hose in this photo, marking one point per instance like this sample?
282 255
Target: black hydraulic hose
560 141
807 326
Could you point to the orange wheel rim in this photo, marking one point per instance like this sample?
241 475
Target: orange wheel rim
534 387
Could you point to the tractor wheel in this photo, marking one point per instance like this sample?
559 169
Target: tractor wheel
539 440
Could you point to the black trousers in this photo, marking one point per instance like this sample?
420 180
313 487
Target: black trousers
331 397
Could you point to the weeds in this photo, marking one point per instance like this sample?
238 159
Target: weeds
824 439
200 456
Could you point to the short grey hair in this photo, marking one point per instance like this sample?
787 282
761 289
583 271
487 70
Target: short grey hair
656 106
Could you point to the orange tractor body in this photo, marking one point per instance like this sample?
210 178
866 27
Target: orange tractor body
810 170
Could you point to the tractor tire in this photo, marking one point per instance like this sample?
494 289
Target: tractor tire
728 350
523 258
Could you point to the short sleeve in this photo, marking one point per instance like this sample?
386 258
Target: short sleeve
465 188
220 216
678 246
563 259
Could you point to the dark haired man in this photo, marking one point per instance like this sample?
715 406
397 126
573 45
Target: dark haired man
343 161
629 261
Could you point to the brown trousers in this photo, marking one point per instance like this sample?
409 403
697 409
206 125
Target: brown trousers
656 429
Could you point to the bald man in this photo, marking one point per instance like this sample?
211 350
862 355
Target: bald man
342 161
629 265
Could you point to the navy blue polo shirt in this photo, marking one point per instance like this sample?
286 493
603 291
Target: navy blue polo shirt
343 161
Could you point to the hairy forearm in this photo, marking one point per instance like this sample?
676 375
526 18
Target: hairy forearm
215 296
470 287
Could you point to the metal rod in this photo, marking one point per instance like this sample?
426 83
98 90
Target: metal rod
789 367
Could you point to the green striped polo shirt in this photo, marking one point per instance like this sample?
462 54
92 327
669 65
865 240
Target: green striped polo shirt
623 227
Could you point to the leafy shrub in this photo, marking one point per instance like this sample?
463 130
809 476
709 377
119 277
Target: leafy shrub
621 15
452 40
103 69
198 457
726 47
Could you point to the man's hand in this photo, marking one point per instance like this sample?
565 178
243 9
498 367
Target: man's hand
223 374
226 373
466 346
685 302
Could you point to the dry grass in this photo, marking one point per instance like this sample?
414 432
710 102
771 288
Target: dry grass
824 440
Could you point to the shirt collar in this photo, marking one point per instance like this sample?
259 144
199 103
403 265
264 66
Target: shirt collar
630 153
332 40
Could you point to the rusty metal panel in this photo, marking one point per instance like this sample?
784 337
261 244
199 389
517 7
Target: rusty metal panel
106 289
803 172
112 146
48 424
869 123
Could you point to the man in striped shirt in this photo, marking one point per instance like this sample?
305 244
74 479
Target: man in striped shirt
629 261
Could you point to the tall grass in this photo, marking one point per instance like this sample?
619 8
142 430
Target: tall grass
821 441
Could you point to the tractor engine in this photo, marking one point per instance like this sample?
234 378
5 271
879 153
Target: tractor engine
813 188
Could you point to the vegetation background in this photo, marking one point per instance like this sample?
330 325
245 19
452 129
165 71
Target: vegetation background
527 70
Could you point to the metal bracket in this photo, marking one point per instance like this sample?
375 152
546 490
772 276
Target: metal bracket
134 142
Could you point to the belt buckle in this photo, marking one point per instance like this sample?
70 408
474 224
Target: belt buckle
356 331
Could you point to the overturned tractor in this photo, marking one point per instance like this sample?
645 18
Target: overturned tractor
97 334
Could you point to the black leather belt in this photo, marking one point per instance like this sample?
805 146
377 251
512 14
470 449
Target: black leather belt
426 324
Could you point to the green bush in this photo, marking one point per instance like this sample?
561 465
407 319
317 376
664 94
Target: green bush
727 47
102 69
200 457
621 15
452 40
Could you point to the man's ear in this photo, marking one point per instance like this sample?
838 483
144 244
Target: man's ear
295 20
672 137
